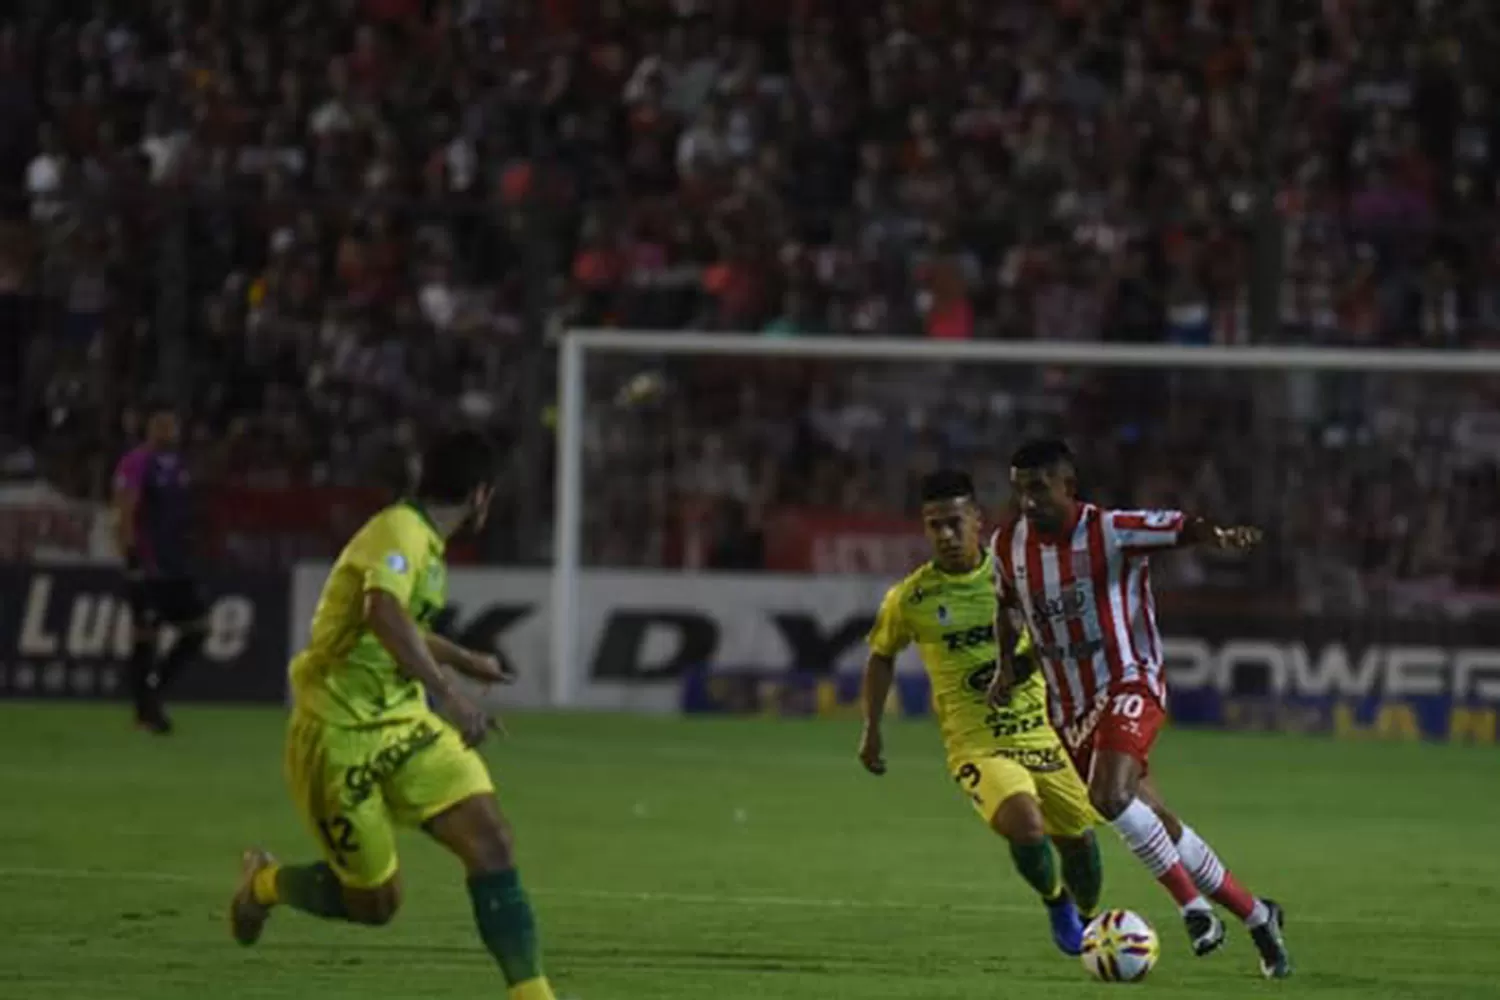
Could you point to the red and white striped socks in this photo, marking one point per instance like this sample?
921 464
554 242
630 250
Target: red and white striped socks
1216 882
1146 836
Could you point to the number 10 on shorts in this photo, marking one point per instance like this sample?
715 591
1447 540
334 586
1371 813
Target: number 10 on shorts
1130 724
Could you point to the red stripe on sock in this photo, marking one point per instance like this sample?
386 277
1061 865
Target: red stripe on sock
1179 883
1234 897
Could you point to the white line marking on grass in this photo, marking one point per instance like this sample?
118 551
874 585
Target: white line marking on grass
729 757
800 902
710 899
106 875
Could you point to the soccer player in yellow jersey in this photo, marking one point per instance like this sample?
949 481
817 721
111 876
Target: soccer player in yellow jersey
1009 761
364 751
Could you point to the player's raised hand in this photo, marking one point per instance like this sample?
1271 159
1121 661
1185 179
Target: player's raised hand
870 747
1240 538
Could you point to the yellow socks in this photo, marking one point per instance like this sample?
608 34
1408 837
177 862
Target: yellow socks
532 989
263 886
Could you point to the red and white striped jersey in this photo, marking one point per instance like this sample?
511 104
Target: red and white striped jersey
1086 597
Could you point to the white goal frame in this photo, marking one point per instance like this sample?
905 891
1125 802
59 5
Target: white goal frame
576 344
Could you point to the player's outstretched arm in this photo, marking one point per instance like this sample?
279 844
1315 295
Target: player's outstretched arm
880 672
486 667
1230 538
1141 532
398 633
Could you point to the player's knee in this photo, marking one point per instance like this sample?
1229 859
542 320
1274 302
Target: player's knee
492 848
1019 820
1168 820
374 907
495 851
1109 800
477 832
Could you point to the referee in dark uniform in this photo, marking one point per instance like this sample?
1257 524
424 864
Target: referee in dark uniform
152 503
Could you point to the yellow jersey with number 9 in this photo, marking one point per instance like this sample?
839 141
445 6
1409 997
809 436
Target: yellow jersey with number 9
345 676
951 619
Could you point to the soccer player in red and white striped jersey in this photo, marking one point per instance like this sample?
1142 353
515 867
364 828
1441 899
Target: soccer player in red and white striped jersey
1079 576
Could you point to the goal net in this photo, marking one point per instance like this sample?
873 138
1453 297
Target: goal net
723 471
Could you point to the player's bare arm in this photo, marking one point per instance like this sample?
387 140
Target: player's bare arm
880 672
1007 633
1227 538
390 623
1006 636
488 668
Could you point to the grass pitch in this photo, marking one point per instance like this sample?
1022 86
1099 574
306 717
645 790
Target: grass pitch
677 859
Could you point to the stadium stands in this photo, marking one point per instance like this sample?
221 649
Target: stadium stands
340 222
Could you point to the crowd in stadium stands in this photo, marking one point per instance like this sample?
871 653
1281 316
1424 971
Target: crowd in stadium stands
330 214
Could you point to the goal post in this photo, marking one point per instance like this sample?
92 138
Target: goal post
567 521
606 374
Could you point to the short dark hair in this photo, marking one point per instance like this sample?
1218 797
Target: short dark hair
947 484
1041 453
454 464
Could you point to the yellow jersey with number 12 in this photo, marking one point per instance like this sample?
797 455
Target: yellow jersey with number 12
951 619
345 676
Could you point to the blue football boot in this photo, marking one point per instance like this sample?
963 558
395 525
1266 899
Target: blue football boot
1067 925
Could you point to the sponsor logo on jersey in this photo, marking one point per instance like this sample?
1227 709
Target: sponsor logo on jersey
979 678
1069 604
396 563
1008 723
942 614
968 638
1085 650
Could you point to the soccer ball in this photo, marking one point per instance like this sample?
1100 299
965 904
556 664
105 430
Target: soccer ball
1119 947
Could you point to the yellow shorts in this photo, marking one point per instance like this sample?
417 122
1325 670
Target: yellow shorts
1044 773
354 785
